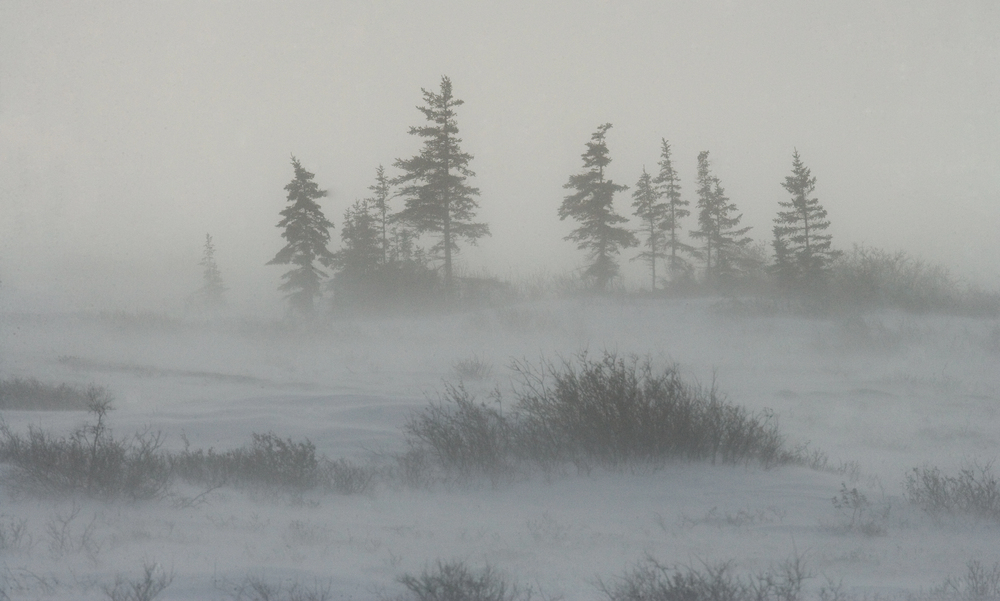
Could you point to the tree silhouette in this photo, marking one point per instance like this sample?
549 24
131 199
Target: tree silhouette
211 295
652 213
802 251
307 233
723 239
669 187
592 205
433 183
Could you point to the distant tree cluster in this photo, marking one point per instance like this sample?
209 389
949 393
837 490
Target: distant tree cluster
802 251
381 261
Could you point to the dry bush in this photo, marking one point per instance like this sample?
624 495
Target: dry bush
456 581
654 581
89 461
30 394
269 461
869 277
256 588
975 490
611 411
619 410
473 368
463 436
154 580
859 514
979 583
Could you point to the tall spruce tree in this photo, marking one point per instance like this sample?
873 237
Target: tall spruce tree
211 295
652 213
669 186
307 233
718 227
379 203
433 183
802 251
592 205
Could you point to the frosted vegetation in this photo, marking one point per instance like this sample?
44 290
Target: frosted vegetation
537 442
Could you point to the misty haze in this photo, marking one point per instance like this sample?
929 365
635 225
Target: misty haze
558 300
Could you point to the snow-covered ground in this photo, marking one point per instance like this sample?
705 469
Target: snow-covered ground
880 394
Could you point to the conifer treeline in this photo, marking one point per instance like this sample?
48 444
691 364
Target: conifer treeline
381 260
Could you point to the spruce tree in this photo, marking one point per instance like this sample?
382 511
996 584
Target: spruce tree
802 252
592 205
718 227
652 213
705 203
669 187
433 183
359 261
307 233
379 203
360 255
211 295
729 237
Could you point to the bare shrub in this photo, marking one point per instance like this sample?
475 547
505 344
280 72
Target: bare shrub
153 581
256 588
14 535
473 368
616 410
66 538
869 277
89 461
612 411
342 476
456 581
268 461
464 436
860 514
980 583
30 394
654 581
975 490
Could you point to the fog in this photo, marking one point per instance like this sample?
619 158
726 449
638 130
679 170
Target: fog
128 131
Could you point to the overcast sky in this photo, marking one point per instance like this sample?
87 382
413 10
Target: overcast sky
130 130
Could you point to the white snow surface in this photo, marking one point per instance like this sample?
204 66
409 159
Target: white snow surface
880 394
